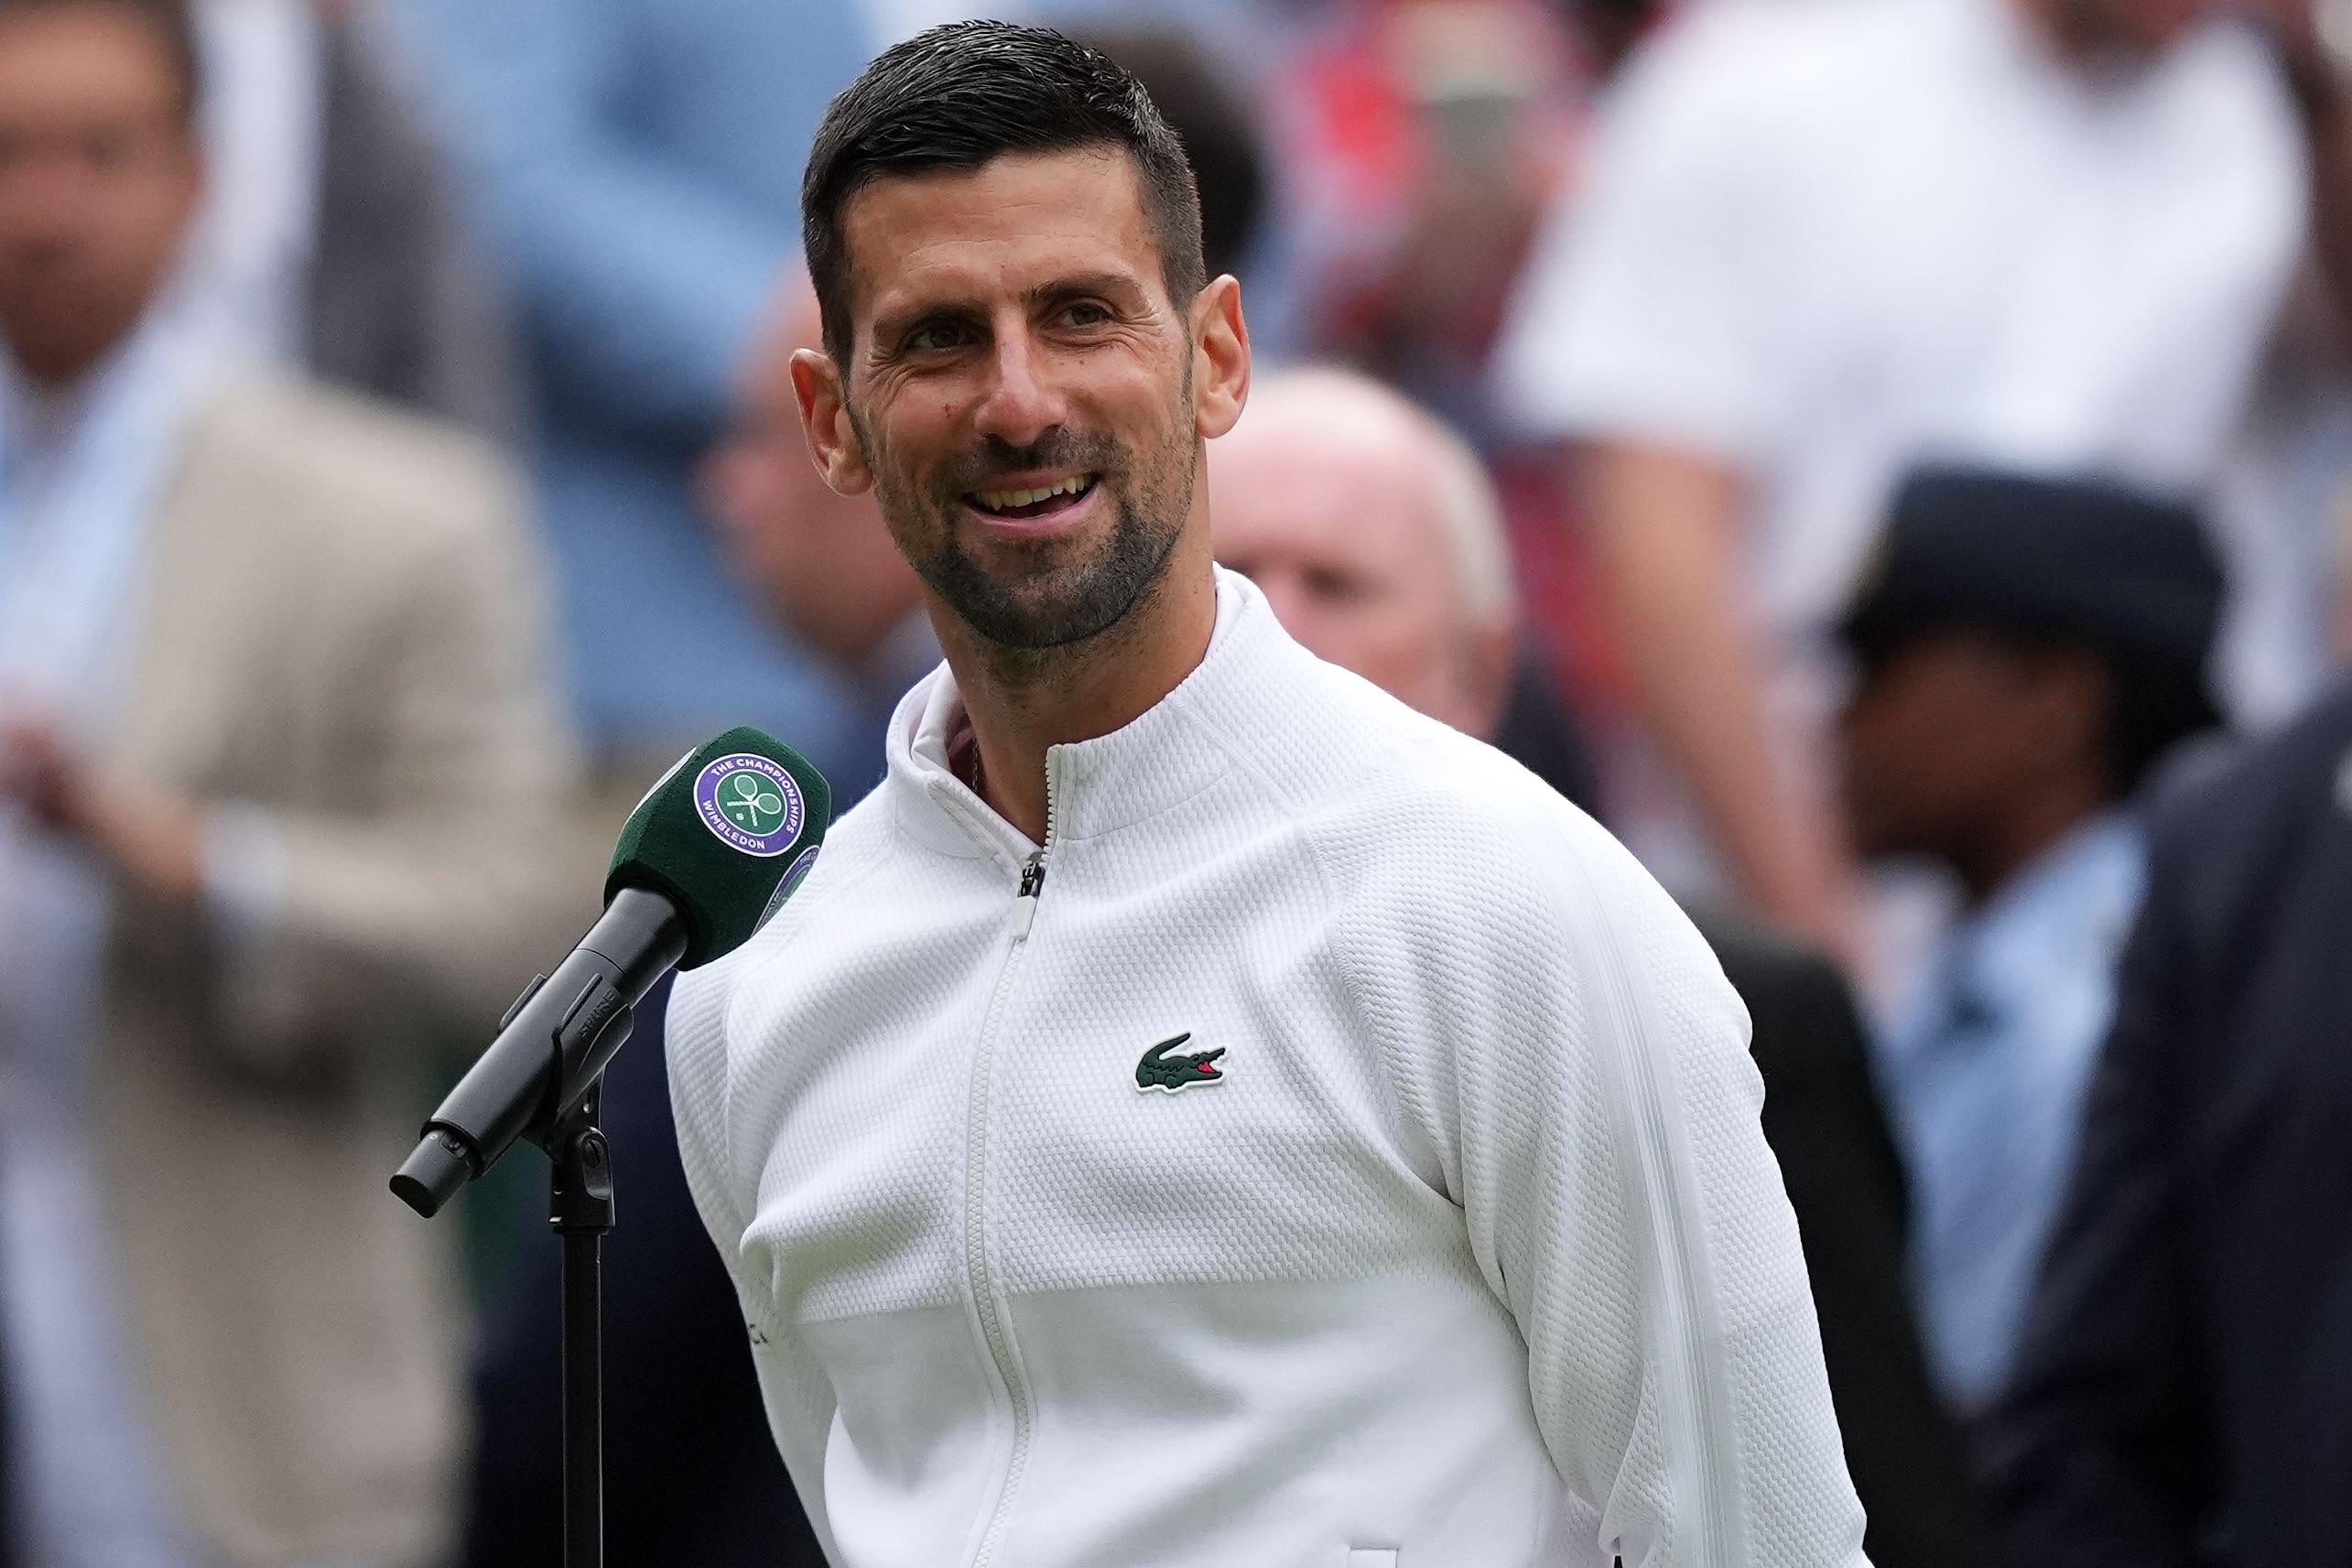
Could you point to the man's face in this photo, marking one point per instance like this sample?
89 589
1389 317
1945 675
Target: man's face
97 175
1946 733
1021 389
1347 541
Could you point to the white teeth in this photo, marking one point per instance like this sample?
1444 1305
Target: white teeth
1006 500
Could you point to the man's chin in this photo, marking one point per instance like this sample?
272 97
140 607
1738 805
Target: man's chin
1038 611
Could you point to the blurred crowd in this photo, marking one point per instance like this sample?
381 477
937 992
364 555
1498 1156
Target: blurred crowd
1889 461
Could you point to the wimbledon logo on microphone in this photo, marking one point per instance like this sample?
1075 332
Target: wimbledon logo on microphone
751 803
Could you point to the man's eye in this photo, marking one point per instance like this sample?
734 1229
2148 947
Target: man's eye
1085 313
934 336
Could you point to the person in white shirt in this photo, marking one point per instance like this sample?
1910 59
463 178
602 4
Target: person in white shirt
1824 240
1197 1109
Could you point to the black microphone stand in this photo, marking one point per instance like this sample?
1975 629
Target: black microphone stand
542 1080
579 1209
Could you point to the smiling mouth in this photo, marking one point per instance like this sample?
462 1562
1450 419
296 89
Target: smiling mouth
1027 503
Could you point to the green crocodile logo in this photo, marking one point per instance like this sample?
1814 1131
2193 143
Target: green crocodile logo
1158 1070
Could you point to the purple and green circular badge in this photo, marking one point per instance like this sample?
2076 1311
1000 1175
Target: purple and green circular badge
750 803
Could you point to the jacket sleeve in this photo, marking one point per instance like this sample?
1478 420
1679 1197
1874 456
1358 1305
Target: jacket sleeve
1581 1065
2100 1447
470 861
724 1196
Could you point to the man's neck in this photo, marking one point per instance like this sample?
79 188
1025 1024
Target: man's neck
1019 703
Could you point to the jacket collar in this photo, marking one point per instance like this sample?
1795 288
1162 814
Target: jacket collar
1165 756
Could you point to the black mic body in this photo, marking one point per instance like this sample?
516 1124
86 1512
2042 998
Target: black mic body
561 1032
714 849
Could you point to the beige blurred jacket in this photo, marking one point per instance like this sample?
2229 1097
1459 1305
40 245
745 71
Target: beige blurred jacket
344 629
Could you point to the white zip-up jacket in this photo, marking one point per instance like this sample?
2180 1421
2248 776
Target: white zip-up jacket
1328 1150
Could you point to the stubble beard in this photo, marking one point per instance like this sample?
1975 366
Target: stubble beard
1079 594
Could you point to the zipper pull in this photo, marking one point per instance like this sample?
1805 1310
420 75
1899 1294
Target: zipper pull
1033 880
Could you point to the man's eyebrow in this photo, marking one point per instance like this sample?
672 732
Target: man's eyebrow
1114 283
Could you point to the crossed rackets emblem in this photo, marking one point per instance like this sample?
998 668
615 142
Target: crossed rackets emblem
749 803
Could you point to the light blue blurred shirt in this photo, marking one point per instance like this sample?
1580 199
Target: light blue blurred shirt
80 475
1985 1071
636 163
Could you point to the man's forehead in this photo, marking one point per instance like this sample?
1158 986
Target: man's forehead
1010 226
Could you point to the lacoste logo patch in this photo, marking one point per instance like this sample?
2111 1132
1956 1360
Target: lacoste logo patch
1168 1072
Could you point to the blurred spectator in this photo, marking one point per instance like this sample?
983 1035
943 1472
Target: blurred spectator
329 235
2029 649
1375 536
280 773
1823 240
2183 1394
1425 139
818 564
692 1473
639 163
1372 533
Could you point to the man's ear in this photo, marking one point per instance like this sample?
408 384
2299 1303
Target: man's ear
1220 358
825 423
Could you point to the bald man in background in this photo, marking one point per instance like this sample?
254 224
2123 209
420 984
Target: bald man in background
1375 536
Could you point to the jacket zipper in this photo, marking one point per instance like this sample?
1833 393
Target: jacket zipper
976 1263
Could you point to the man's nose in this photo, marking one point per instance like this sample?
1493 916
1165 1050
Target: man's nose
1022 402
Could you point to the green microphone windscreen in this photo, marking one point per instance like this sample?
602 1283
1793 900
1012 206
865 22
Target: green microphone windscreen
726 835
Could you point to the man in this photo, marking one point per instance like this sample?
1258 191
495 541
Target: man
1824 242
1197 1109
1374 534
2185 1392
278 770
1378 541
331 236
1375 537
2029 649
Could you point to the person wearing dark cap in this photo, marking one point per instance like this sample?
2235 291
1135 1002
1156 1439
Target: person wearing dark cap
2027 649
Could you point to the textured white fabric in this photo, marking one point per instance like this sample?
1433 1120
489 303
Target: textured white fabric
1475 1256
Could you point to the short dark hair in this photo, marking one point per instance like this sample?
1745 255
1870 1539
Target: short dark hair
173 22
958 96
2056 562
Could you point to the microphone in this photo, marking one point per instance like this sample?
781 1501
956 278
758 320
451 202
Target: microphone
710 853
